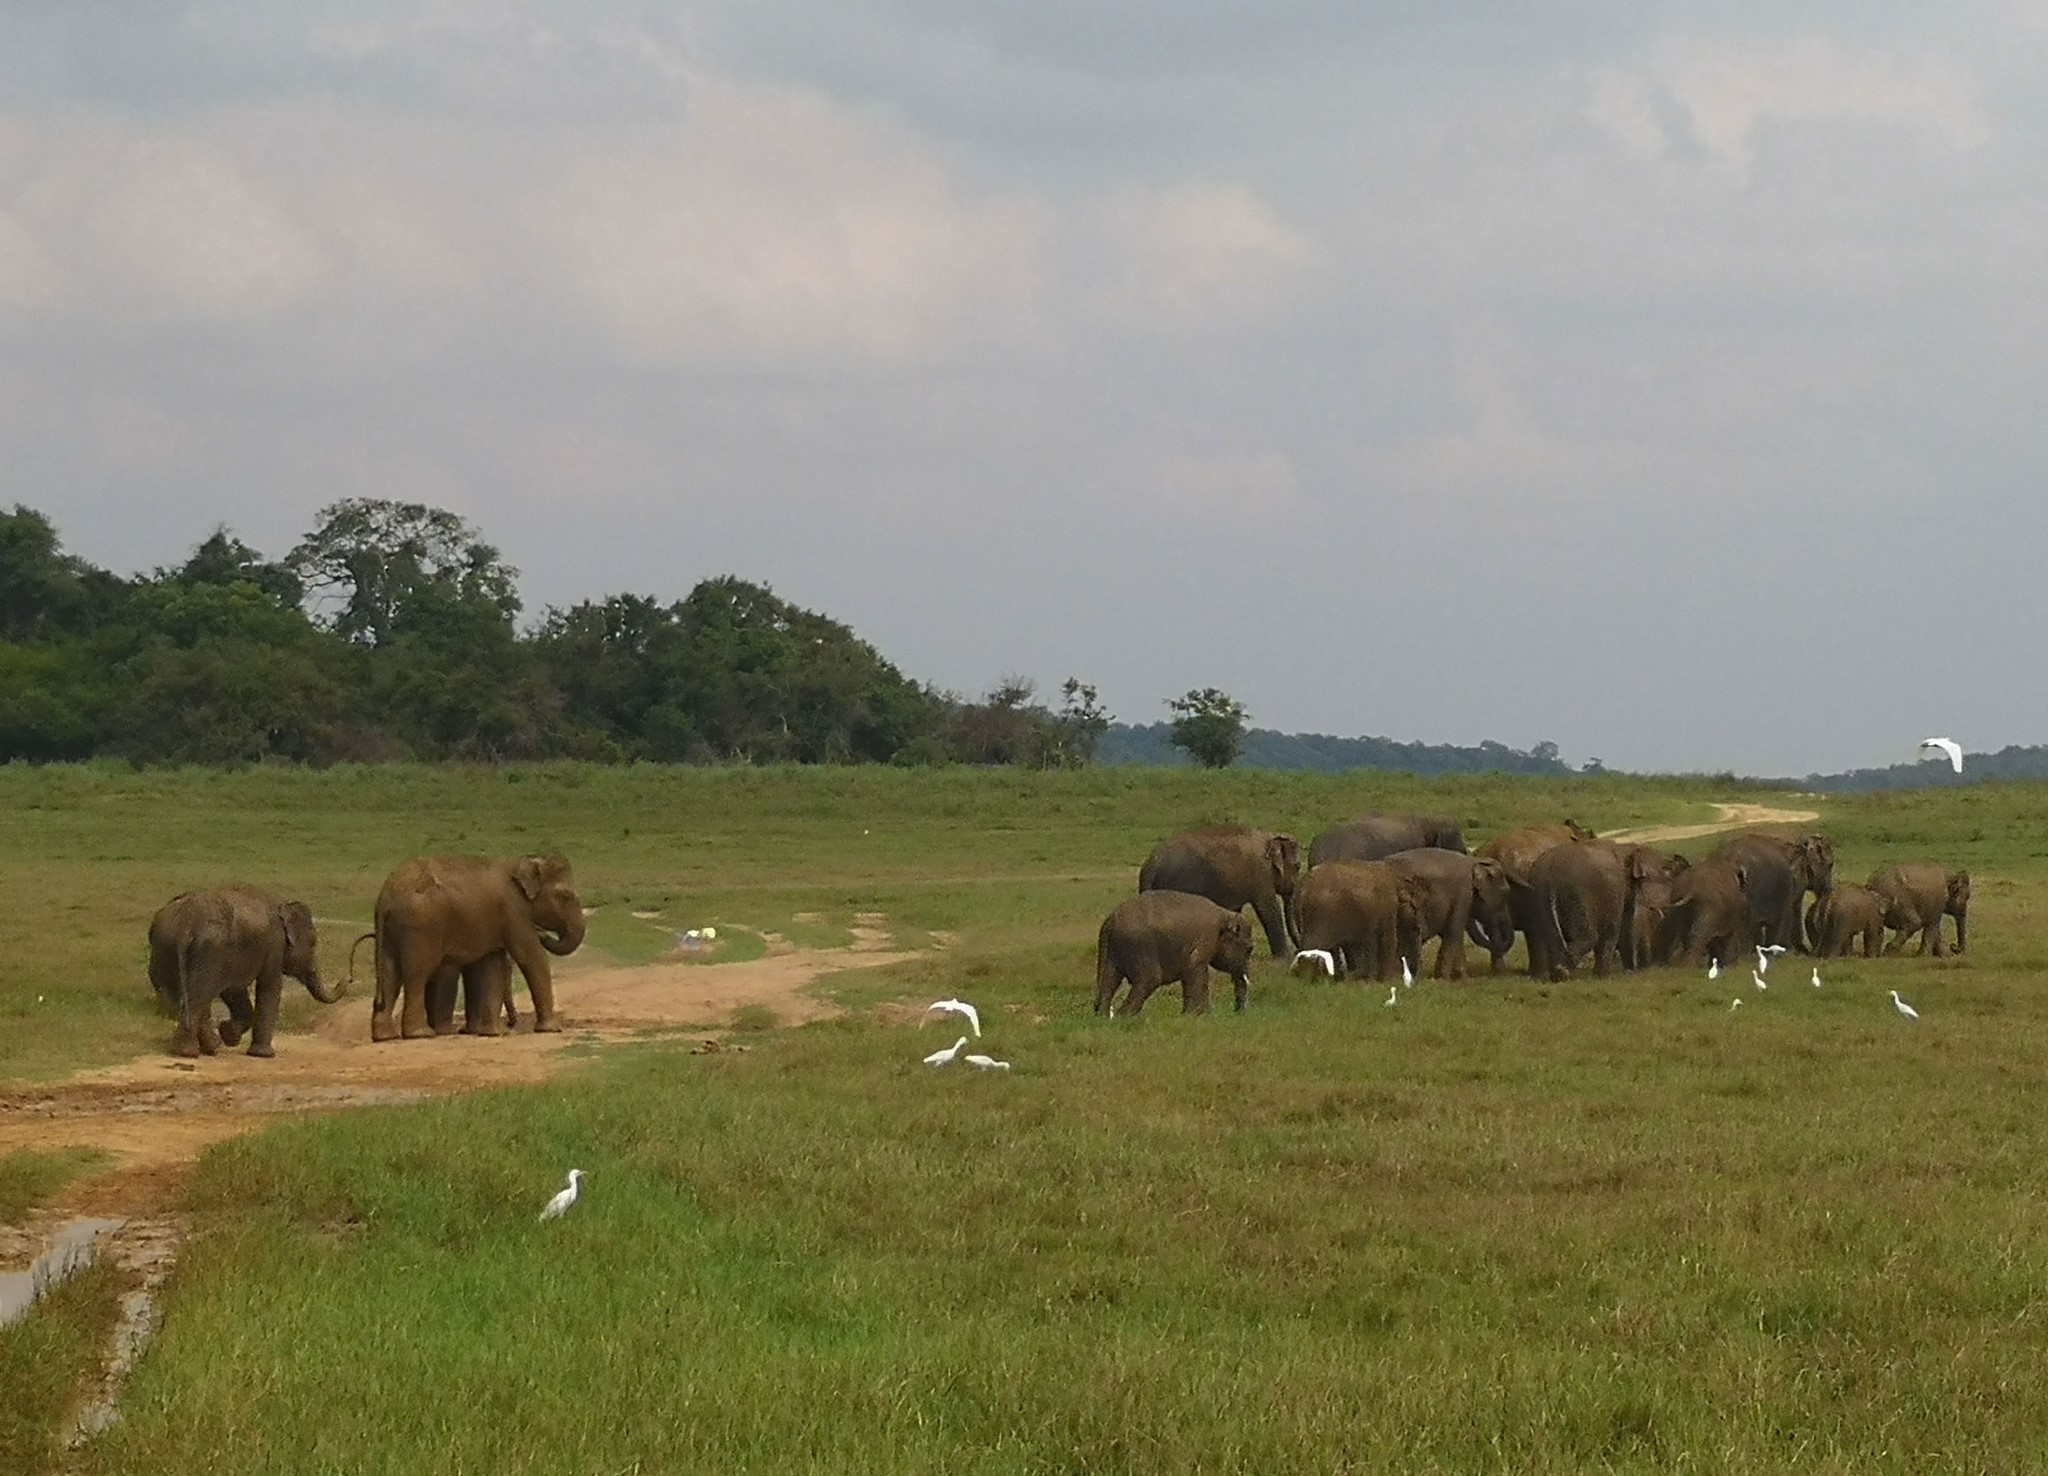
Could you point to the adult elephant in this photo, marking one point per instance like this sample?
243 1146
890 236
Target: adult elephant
1376 837
216 945
1517 851
1363 912
1459 885
1656 876
1234 866
440 918
1157 938
1918 895
1779 874
1842 915
1709 916
1585 894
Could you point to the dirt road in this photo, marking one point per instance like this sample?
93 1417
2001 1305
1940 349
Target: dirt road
1730 817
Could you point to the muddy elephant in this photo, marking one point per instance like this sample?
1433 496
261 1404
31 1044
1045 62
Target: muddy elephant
1166 937
1656 877
1585 894
1363 912
1376 837
1779 874
1233 866
1708 917
1841 915
217 944
1517 851
1918 895
1459 886
444 917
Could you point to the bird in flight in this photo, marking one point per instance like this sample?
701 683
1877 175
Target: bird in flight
958 1007
948 1056
559 1205
1765 952
1322 958
1949 746
1903 1008
987 1063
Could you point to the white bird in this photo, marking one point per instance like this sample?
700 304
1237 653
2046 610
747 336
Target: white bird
1949 746
1407 974
709 935
1759 979
958 1007
559 1205
987 1063
1765 953
1714 969
1734 1005
1903 1008
1322 958
1393 996
948 1056
1816 978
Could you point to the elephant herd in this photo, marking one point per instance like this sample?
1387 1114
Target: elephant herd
1377 889
441 922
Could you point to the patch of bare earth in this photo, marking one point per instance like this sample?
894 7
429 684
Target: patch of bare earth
1730 817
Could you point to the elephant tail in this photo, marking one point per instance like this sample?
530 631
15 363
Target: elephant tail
353 949
1554 939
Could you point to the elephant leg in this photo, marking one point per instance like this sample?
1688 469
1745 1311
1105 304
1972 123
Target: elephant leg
240 1014
1606 951
1194 990
1106 981
1386 949
163 976
1240 993
440 989
485 986
1274 920
269 986
540 981
1938 935
416 978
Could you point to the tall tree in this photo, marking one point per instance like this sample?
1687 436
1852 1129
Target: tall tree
1209 727
383 567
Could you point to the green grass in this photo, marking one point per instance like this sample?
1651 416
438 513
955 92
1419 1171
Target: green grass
1602 1226
45 1360
27 1179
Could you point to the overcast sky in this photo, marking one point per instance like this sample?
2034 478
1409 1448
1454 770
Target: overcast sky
1666 381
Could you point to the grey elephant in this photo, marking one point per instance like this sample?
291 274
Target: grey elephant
1656 877
440 918
1376 837
1708 917
1234 866
1517 851
216 945
1779 873
1585 893
1459 886
1363 912
1918 895
1158 938
1843 914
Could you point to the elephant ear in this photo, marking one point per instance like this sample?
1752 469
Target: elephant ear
1642 865
1487 872
1677 866
529 873
1284 854
296 919
1414 894
1959 888
1579 832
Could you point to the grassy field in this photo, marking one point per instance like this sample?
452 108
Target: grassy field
1598 1226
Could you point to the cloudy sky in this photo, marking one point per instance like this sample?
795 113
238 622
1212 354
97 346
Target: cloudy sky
1666 381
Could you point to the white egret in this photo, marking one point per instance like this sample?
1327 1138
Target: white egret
949 1055
1322 958
987 1063
1903 1008
1714 969
1949 746
1734 1005
1764 955
958 1007
559 1205
1758 979
709 935
1407 974
1816 978
1393 996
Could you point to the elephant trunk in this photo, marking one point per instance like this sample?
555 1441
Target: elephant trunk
1291 917
567 940
320 991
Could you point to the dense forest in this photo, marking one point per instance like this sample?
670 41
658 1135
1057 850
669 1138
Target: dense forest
392 631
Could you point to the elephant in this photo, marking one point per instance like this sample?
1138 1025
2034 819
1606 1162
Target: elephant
1233 866
1639 948
440 917
213 945
1780 873
1376 837
1709 916
1517 851
1459 886
1841 915
1365 912
1585 894
1158 937
1918 894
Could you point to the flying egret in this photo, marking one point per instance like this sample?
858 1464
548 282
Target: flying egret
1322 958
559 1205
1759 979
1765 953
1903 1008
1407 974
1714 969
1816 978
1393 996
1949 746
948 1056
958 1007
987 1063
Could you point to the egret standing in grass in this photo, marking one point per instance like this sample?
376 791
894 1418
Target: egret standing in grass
1816 978
1764 955
559 1205
1393 996
1758 979
1948 746
1903 1008
949 1055
1407 974
958 1007
987 1063
1734 1005
1713 970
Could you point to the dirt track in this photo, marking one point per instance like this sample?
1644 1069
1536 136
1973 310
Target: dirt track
1731 817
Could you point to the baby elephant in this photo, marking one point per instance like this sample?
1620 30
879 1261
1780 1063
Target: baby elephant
205 946
1918 895
1839 917
1159 937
